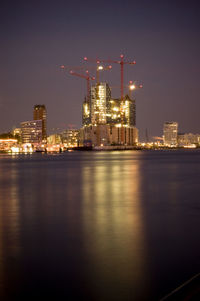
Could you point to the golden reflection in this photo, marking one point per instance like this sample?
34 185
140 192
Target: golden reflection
113 221
9 215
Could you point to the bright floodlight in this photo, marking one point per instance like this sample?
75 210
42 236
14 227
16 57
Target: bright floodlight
132 87
100 67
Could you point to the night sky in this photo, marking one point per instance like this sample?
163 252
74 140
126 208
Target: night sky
162 36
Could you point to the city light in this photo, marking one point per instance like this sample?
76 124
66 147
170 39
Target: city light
132 87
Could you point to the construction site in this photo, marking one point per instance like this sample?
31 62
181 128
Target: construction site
107 122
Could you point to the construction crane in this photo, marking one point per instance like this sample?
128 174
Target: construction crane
98 67
133 86
75 68
121 62
87 77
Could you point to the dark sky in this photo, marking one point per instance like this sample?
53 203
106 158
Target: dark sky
36 37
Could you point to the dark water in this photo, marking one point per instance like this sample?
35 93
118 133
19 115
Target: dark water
98 225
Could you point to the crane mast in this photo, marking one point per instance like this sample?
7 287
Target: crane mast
87 77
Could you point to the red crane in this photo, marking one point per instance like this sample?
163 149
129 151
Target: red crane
133 86
98 67
77 68
122 63
87 77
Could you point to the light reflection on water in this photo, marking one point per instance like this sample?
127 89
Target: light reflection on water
105 226
9 219
113 226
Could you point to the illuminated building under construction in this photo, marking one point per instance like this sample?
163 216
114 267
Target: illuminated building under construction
108 121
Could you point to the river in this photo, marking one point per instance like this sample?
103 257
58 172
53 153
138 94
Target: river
121 225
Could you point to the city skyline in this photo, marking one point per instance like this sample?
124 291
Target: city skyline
163 39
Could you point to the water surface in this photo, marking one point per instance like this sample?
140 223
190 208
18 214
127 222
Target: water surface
98 225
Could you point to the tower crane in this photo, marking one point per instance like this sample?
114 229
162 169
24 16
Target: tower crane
98 67
133 86
122 63
87 77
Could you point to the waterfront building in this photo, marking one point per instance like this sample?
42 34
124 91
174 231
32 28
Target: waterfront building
106 134
86 116
16 132
31 131
170 133
39 113
71 137
6 145
115 111
189 139
100 103
129 110
108 121
54 139
123 135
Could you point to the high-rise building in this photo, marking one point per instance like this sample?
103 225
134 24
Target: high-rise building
31 131
39 113
129 111
86 117
100 103
170 132
123 112
108 121
115 113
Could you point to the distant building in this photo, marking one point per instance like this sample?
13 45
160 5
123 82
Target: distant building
71 137
7 144
54 139
188 139
39 113
16 131
170 133
31 131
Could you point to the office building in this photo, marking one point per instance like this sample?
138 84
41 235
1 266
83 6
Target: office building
39 113
31 131
71 137
170 132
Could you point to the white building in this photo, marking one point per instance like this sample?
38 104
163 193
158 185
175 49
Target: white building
188 139
170 132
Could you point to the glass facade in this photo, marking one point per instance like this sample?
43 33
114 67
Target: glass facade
100 103
31 131
170 132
